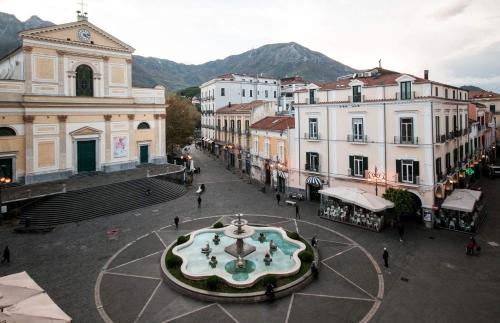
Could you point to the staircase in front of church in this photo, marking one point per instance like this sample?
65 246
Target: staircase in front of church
98 201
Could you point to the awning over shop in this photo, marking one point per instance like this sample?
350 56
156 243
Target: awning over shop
314 181
461 200
358 197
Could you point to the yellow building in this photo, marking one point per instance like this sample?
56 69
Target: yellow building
270 150
67 106
232 131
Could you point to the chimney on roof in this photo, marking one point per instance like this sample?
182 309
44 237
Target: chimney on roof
229 105
426 74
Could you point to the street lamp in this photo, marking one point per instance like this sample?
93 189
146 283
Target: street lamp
376 175
4 179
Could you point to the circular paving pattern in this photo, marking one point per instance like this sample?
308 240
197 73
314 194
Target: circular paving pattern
350 286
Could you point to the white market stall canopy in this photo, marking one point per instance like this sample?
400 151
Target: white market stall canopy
22 300
358 197
461 200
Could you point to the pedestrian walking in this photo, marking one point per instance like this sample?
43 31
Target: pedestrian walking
199 201
385 255
297 214
401 231
6 255
314 242
278 197
176 221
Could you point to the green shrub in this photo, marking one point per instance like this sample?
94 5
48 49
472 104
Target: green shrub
182 239
174 261
306 256
218 225
213 282
293 235
270 279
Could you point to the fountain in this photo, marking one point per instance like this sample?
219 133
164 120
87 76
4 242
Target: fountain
239 253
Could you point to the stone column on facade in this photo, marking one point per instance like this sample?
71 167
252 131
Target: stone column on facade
129 76
62 141
158 134
28 70
105 75
131 138
28 124
162 152
107 136
60 72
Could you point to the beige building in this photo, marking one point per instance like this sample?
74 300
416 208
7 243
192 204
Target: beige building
378 129
270 150
491 101
67 106
232 131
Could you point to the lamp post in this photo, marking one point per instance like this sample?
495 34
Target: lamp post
4 179
376 175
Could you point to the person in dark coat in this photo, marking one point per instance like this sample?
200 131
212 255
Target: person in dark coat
314 242
176 221
199 201
385 255
297 214
401 231
6 255
278 197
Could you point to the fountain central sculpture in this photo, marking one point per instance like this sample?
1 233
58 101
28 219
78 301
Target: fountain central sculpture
239 230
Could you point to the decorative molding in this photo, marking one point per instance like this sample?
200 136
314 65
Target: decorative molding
163 116
107 117
129 60
157 116
61 52
28 119
105 58
131 116
62 118
27 49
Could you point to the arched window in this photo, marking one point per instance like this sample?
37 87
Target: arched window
6 131
84 81
143 125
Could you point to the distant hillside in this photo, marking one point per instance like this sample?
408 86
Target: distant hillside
471 88
277 60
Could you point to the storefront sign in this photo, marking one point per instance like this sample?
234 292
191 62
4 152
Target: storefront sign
470 171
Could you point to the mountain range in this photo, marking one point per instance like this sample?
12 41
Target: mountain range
275 60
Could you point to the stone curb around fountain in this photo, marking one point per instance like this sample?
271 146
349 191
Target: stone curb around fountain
253 297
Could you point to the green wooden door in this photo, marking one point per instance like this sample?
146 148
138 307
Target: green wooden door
86 156
144 154
6 168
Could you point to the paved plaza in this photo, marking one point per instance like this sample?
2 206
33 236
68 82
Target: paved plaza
430 279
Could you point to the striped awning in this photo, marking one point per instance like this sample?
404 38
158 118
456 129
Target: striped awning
282 174
313 181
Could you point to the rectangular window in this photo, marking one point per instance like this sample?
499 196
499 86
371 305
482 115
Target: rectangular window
356 93
266 93
461 152
439 172
446 93
312 161
455 123
243 92
358 165
455 157
247 125
238 125
448 162
492 108
405 90
281 151
460 96
436 91
251 93
275 94
357 129
222 92
256 147
447 126
406 130
313 128
454 97
311 96
461 122
438 128
266 148
407 171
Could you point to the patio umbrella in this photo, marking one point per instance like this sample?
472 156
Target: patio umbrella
358 197
16 287
460 200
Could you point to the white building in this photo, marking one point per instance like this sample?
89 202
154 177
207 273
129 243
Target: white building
233 89
288 87
379 129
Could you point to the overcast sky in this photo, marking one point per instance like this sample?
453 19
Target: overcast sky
457 40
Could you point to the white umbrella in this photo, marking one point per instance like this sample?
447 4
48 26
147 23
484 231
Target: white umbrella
36 309
358 197
16 287
460 200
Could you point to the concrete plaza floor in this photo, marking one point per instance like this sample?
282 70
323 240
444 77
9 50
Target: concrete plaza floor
430 278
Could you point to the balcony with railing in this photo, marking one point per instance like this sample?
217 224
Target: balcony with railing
356 98
357 138
440 139
406 140
405 96
311 136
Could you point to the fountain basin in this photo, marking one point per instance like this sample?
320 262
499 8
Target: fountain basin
196 265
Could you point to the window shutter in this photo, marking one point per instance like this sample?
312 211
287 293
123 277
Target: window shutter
416 171
398 169
365 165
351 164
308 160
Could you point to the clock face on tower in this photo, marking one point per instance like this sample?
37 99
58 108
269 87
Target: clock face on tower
84 35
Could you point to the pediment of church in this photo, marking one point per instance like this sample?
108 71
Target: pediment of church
81 33
85 131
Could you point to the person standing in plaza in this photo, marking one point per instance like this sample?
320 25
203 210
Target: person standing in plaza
401 231
199 201
176 221
385 255
297 214
6 255
278 197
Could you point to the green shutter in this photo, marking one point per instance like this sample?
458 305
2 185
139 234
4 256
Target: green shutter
365 165
416 171
398 169
351 164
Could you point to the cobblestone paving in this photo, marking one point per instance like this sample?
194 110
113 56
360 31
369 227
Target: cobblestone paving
443 284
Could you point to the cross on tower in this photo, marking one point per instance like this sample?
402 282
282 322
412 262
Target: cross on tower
82 4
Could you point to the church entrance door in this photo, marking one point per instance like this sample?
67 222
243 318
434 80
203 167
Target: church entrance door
144 154
86 156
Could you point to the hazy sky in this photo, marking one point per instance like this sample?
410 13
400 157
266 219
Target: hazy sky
457 40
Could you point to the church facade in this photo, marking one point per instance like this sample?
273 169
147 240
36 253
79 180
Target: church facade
67 106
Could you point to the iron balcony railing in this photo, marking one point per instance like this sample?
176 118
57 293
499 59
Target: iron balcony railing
406 140
311 136
357 138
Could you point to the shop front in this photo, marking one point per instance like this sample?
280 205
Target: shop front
461 211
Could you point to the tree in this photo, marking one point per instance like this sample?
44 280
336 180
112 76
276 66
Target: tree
402 199
182 118
190 92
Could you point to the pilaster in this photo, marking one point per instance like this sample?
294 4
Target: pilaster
28 70
28 124
60 71
62 141
105 75
131 139
107 143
